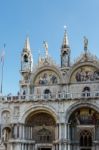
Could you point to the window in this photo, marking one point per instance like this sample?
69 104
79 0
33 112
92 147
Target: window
86 92
47 93
44 136
85 139
25 58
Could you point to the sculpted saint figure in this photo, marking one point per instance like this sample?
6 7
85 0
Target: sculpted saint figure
85 44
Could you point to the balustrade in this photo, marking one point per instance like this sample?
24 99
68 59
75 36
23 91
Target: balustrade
51 96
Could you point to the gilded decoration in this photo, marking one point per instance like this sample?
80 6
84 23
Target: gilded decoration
46 78
85 73
41 119
43 127
84 116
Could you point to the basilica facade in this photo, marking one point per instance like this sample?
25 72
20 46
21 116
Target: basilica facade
57 107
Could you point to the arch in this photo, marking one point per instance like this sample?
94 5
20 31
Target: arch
78 65
44 68
40 118
42 121
79 105
37 109
6 134
86 88
25 58
47 91
86 91
85 138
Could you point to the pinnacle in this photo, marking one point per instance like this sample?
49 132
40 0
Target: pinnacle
27 43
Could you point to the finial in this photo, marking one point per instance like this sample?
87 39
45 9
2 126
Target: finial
65 40
65 27
85 44
45 44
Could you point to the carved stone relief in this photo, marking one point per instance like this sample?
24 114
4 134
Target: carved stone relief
16 111
5 116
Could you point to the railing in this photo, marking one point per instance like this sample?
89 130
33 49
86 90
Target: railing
23 82
52 96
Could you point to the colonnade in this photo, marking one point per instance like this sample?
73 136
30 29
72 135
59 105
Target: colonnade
63 141
22 131
22 137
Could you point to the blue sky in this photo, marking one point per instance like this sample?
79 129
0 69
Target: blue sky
44 20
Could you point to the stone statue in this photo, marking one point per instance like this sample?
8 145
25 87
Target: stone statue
85 44
46 48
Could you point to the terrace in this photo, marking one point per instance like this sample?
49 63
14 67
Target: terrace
52 96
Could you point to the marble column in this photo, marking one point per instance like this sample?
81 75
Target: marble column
56 131
23 132
68 131
57 147
25 148
10 146
31 132
60 146
33 147
53 147
68 128
65 146
59 131
17 130
20 130
68 146
65 130
22 146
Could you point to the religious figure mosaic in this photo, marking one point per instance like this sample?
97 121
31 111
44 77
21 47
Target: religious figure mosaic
40 119
86 73
46 78
84 116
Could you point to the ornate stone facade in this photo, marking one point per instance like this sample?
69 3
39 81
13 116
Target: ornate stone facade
57 108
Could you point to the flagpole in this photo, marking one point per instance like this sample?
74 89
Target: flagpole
2 70
2 76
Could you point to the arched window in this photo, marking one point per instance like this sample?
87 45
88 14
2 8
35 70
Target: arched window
6 135
85 139
43 124
47 93
86 92
25 58
44 136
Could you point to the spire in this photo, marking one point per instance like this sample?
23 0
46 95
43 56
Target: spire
65 51
65 43
26 57
27 44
